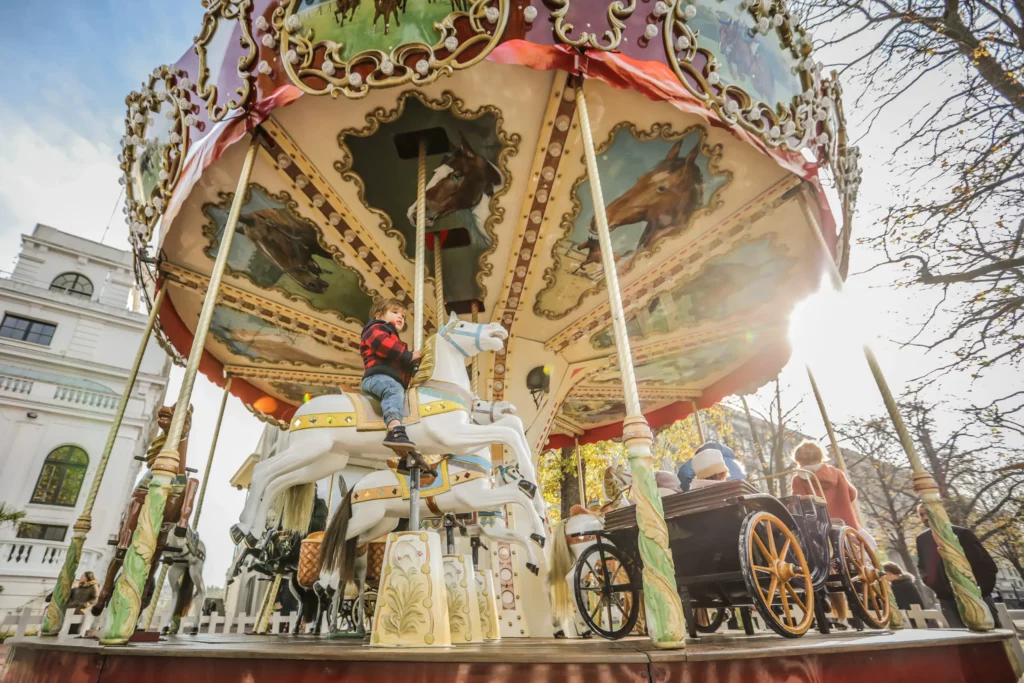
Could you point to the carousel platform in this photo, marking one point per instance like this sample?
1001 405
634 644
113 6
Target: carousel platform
932 656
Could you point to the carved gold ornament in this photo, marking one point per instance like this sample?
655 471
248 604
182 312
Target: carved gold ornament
153 147
317 66
790 125
617 13
221 15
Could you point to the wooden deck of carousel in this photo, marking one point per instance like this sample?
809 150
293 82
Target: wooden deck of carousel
925 656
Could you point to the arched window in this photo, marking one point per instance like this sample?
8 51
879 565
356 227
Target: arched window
62 477
75 284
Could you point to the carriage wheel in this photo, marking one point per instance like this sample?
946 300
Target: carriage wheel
369 606
709 620
776 573
863 580
607 598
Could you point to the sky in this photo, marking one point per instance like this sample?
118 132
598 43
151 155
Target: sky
62 116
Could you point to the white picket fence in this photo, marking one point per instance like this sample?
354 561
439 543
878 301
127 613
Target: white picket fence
27 622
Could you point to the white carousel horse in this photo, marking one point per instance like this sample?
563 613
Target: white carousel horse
185 557
316 453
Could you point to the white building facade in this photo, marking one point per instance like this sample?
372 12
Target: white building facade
67 342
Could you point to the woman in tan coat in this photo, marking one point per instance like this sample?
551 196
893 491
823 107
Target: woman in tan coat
839 492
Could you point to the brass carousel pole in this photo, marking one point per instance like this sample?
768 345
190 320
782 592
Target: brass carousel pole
696 421
268 605
126 602
895 616
754 437
213 449
474 380
580 476
664 611
53 619
972 607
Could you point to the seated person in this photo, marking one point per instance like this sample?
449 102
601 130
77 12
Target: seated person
387 366
735 468
839 492
667 482
709 468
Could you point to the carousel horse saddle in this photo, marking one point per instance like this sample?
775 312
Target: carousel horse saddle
442 483
370 417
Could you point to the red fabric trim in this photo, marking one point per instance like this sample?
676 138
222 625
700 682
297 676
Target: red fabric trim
181 337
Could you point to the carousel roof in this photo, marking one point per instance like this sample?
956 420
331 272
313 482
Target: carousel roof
711 130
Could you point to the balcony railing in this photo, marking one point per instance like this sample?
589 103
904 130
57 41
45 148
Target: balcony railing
46 392
30 558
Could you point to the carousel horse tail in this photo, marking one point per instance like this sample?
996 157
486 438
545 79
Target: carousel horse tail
561 565
336 552
298 508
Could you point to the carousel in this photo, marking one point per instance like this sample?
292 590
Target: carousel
599 217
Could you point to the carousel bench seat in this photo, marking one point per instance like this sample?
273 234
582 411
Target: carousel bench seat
686 503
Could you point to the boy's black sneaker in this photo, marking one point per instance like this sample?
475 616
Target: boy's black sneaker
398 441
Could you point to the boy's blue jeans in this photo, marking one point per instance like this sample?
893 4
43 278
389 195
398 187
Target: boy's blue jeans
390 392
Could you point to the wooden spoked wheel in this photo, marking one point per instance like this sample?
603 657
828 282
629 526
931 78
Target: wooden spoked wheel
776 573
709 620
369 607
863 579
606 596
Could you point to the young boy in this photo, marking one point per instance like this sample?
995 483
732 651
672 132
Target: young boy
387 364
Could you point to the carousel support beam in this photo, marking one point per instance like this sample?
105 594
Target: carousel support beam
580 475
53 619
972 607
126 602
664 610
474 363
268 605
213 449
895 616
758 450
698 423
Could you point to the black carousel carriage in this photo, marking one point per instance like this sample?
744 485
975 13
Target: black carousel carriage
736 547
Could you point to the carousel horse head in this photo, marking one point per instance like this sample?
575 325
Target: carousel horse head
462 181
454 342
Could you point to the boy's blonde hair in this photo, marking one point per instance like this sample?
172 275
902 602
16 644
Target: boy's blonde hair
382 306
809 453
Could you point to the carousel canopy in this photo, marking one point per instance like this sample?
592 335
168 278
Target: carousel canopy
711 122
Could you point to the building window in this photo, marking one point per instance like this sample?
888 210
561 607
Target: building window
75 284
24 329
62 477
42 532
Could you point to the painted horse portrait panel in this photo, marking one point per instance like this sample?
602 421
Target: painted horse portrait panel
462 184
658 182
277 249
250 337
360 25
733 283
759 64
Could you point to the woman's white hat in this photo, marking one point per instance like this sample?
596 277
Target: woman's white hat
708 463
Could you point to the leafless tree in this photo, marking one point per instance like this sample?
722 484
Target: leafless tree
958 224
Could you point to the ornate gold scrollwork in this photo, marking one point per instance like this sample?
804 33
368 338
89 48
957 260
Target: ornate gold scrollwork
618 12
790 125
307 60
148 187
239 11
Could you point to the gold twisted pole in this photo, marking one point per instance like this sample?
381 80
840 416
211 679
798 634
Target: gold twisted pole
268 605
53 619
420 265
125 604
895 616
474 363
664 611
972 607
213 449
438 277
